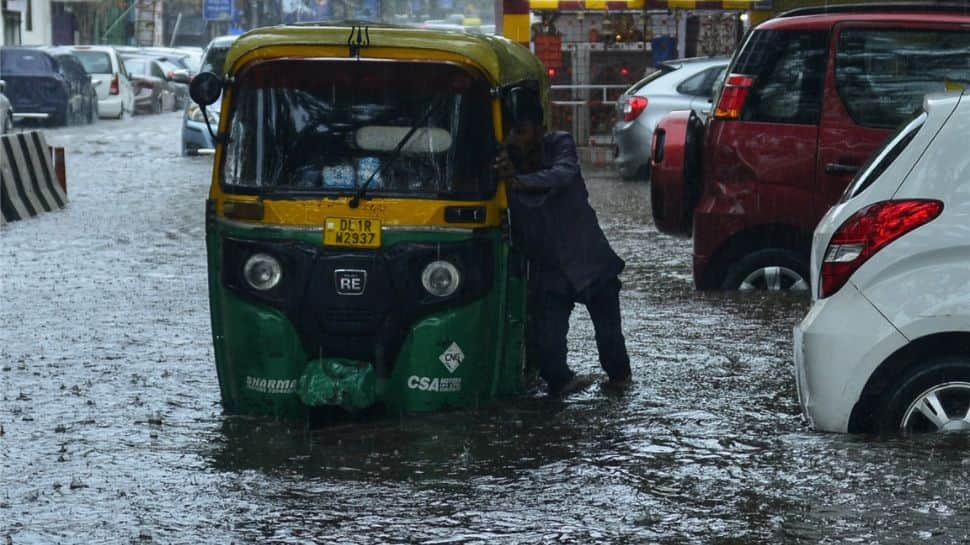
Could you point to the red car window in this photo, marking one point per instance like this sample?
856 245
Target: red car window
882 74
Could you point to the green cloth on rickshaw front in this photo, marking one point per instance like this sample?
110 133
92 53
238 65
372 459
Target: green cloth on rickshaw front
346 383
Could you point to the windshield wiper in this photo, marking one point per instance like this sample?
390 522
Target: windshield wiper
362 190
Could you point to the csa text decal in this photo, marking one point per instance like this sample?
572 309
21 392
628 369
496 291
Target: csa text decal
435 384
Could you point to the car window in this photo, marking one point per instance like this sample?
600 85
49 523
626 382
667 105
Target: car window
664 70
215 59
883 74
693 85
19 61
95 62
68 67
156 71
136 66
788 69
700 84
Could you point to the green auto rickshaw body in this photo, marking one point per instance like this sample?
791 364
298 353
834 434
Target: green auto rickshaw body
411 299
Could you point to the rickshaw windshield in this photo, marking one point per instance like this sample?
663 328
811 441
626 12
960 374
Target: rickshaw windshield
419 129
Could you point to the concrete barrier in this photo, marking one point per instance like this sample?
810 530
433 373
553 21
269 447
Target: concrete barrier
29 182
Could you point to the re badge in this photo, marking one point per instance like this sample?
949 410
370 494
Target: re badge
452 357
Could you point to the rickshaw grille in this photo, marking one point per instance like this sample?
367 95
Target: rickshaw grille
354 317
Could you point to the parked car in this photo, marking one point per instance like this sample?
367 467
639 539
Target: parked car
187 60
6 110
179 78
808 97
115 94
886 344
84 86
683 84
195 134
154 93
38 88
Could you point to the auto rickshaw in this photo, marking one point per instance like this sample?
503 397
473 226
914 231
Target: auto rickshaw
359 250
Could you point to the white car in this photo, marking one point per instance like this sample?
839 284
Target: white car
115 94
885 347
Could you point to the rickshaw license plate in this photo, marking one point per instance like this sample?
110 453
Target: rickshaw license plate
352 232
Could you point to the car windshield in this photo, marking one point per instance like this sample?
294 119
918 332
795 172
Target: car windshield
95 62
18 61
215 58
329 126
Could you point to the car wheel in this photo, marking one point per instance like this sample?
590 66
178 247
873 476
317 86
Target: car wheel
770 270
933 398
59 119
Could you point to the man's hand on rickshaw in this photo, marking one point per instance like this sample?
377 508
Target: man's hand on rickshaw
503 166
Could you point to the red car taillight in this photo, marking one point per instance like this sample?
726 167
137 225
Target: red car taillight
633 107
735 92
867 232
114 90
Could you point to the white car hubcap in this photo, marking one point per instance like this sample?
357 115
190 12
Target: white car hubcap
945 408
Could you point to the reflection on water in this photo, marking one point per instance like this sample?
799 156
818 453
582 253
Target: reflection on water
114 434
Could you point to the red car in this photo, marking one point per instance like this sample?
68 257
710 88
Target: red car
808 97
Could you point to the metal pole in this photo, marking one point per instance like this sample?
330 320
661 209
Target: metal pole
175 30
111 27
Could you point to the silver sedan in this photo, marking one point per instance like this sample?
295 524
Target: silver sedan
682 84
6 112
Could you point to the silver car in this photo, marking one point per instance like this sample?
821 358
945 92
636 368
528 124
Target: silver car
681 84
6 111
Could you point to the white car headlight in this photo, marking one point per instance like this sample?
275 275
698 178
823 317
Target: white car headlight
262 272
440 278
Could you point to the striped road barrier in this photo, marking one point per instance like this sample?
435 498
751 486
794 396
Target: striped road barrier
29 182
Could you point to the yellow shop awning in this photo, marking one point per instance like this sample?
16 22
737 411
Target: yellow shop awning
582 5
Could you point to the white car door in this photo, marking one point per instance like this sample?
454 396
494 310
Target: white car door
124 86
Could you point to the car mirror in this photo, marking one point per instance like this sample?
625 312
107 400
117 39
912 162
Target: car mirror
95 82
181 76
205 89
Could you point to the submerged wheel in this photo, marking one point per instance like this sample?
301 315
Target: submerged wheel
934 398
770 270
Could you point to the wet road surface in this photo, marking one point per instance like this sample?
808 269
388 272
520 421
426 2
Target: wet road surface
112 430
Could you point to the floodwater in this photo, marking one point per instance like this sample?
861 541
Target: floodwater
112 430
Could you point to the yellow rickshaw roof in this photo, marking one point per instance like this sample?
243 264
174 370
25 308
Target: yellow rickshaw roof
504 60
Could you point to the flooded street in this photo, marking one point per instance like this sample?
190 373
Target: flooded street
112 431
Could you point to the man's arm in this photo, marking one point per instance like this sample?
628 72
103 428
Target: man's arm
564 169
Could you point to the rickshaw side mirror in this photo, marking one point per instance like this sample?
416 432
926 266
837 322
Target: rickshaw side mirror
522 104
205 89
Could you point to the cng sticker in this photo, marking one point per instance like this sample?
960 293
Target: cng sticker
452 357
429 384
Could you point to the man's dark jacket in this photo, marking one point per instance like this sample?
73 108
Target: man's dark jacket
553 220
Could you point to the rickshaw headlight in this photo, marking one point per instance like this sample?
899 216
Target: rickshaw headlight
262 272
440 278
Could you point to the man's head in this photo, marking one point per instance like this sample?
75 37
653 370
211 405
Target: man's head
523 140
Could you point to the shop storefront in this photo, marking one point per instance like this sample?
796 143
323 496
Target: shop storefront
595 49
